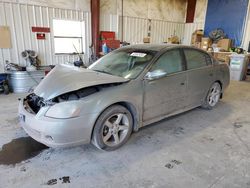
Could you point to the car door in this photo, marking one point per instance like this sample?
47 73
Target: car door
200 75
166 93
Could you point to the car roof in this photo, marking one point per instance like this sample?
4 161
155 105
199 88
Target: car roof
155 47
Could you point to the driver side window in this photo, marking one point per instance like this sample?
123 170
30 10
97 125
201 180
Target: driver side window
170 62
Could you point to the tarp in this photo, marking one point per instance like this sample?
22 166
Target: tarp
229 15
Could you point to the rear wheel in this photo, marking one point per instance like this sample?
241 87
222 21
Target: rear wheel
113 128
213 96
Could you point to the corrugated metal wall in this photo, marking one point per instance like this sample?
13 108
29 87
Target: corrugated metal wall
162 30
135 29
21 17
189 29
109 22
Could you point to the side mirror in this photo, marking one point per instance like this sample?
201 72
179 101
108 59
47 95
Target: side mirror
156 74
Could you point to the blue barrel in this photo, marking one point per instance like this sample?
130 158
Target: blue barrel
3 76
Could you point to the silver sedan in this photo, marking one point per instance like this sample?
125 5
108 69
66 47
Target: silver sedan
125 90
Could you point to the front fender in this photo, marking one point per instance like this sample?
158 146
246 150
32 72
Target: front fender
129 93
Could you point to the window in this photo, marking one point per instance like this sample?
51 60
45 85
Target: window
68 36
170 62
196 59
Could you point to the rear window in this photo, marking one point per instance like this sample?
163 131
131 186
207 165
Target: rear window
196 59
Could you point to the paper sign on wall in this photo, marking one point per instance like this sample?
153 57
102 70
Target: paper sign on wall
5 40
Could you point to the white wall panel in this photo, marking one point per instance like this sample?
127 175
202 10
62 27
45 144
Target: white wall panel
21 17
134 29
246 35
162 30
246 38
189 29
200 11
109 22
83 5
139 26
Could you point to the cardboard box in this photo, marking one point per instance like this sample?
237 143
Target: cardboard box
146 40
206 43
222 56
196 38
225 44
199 32
197 45
5 40
174 40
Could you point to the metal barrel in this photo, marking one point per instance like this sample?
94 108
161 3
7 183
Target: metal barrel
23 81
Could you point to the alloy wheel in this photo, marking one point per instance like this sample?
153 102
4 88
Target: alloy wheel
214 94
115 129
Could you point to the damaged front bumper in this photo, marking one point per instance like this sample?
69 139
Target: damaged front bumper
55 132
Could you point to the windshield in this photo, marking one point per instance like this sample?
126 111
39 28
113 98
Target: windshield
126 63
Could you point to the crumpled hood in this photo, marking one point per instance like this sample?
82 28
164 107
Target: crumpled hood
65 78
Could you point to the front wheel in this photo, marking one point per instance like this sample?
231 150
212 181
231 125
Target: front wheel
213 96
113 128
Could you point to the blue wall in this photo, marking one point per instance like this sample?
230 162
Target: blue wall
229 15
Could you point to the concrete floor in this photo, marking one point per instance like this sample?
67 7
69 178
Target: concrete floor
199 148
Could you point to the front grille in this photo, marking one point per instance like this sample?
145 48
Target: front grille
34 103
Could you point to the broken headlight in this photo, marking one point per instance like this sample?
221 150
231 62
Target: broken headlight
64 110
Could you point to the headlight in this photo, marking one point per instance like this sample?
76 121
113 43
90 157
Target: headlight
64 110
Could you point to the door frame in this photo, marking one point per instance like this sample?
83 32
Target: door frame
144 80
161 53
188 71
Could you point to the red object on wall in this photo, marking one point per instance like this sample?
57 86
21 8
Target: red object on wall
40 36
190 11
107 35
40 29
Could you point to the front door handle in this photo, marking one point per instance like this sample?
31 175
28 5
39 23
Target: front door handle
211 74
183 83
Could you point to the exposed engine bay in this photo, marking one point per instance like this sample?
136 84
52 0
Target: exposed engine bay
36 103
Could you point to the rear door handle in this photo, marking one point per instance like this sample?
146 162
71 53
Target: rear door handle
211 74
183 83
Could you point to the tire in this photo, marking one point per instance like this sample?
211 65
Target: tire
213 96
113 128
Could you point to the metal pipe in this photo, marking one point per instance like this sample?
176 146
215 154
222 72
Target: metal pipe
191 5
122 23
244 36
95 24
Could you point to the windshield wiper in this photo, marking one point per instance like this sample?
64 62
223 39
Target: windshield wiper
102 71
